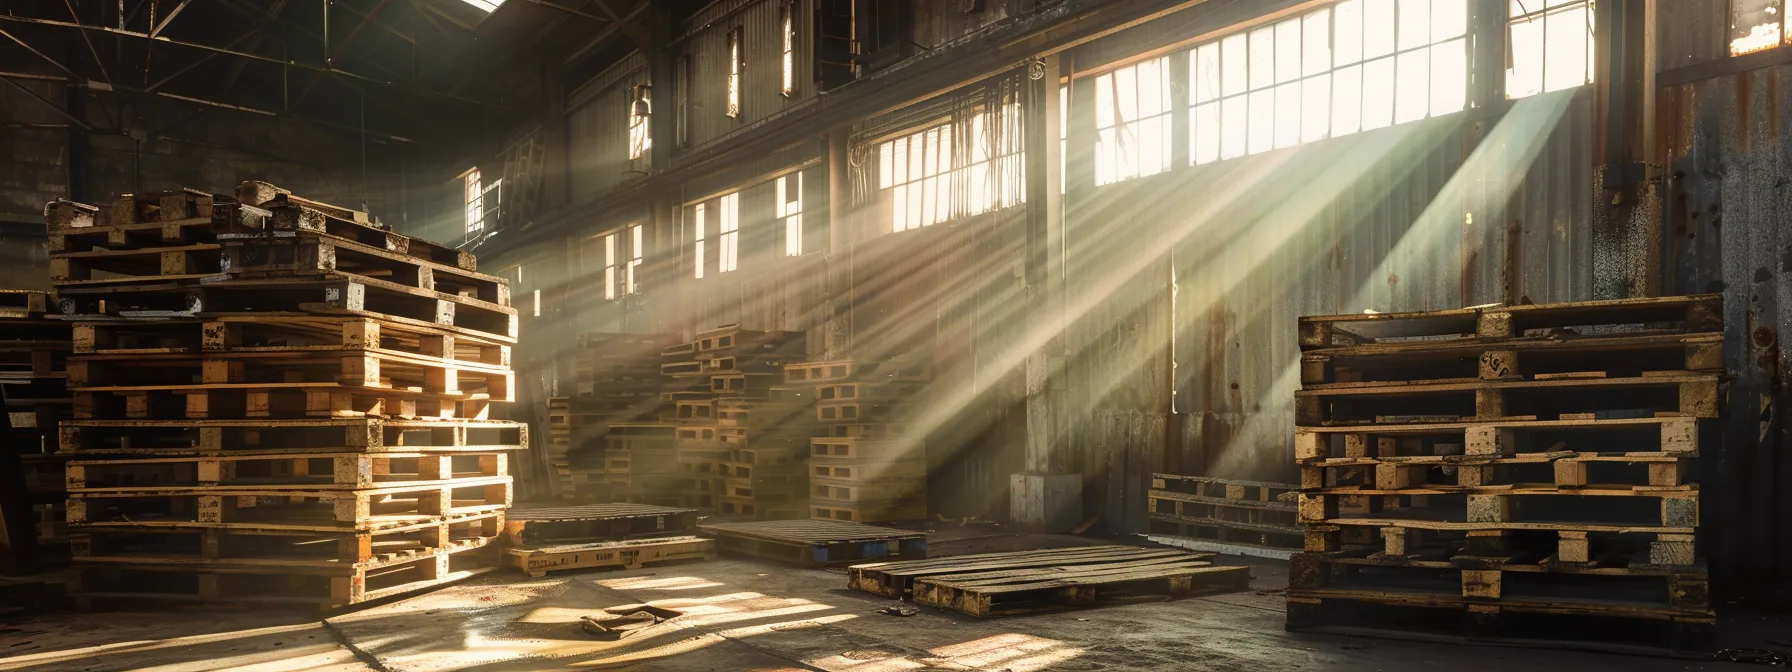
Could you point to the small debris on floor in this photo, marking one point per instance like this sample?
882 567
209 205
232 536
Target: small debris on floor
899 610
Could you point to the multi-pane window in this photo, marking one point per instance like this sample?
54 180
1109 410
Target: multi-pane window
475 201
729 257
1354 66
640 107
734 73
1550 44
930 179
1132 121
698 235
787 27
917 170
994 178
637 251
1757 25
790 210
610 266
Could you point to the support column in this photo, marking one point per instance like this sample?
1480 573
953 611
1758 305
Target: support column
1047 496
1627 212
841 238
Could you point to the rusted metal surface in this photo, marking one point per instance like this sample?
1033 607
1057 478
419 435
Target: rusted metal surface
1723 144
762 44
1421 226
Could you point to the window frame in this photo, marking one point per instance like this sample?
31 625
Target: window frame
787 56
637 254
473 202
610 266
790 212
1541 16
640 126
732 106
1118 127
698 237
728 233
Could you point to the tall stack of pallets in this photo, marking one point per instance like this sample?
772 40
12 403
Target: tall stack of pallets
1512 471
865 465
615 379
34 346
277 401
759 423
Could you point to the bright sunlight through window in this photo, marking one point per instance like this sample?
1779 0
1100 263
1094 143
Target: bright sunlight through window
1355 66
1551 46
1132 121
929 179
790 209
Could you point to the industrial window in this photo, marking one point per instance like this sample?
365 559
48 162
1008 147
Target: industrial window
640 107
637 251
729 258
487 6
610 266
475 203
790 209
734 73
1550 46
994 178
787 26
1354 66
917 170
1132 121
698 223
1757 25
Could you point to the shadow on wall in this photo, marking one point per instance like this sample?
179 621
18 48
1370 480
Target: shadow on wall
24 256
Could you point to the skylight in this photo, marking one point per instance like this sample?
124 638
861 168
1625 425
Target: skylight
487 6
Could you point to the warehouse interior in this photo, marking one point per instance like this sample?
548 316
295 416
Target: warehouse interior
894 334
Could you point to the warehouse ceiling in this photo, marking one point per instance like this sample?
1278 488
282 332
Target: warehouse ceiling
396 70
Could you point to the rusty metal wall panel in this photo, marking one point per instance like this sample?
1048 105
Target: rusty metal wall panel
938 22
1726 146
761 75
1691 32
597 130
1406 218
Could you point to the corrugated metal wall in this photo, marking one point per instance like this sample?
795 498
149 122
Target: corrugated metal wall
761 74
1725 145
1458 211
597 120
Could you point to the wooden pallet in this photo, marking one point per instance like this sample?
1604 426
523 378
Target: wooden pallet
615 521
854 370
871 511
369 373
1666 435
284 332
24 304
270 208
1562 544
1514 620
1668 314
130 543
273 507
816 542
1665 508
1251 513
316 470
111 267
275 585
1000 584
1533 358
633 554
1686 393
328 293
1682 589
373 435
304 253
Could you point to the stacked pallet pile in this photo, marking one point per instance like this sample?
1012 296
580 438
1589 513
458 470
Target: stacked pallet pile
615 379
1225 515
864 464
761 426
34 346
277 400
1513 471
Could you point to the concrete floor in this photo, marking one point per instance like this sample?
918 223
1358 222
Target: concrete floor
745 615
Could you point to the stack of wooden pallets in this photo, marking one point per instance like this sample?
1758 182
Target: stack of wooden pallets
1510 471
1219 514
277 400
34 347
615 379
760 426
864 463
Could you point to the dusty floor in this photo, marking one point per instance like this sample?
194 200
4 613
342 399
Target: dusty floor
744 615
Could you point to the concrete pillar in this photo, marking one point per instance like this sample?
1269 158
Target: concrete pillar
1043 497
